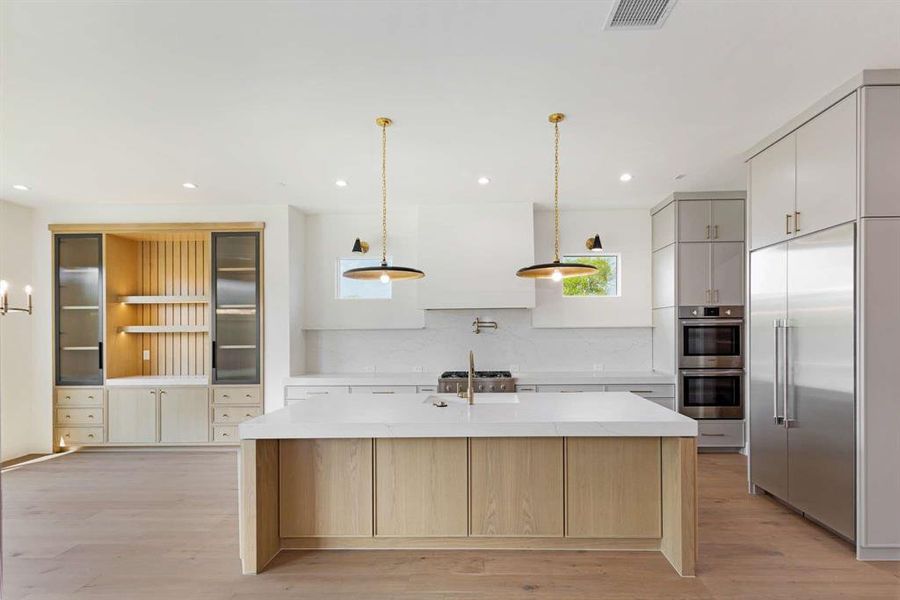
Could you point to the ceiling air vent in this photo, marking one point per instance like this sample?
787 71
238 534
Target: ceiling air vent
638 14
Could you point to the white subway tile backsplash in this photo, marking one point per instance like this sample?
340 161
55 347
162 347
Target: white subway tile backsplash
447 337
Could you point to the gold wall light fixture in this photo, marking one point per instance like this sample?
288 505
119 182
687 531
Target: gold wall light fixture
5 308
360 247
384 272
593 243
556 270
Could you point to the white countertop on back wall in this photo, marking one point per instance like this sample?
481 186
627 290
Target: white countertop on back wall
524 378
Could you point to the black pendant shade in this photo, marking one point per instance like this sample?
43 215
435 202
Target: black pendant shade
384 272
556 270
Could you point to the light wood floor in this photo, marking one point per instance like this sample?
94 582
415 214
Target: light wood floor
135 526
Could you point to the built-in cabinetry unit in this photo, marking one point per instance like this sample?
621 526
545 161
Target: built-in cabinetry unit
824 312
698 260
147 317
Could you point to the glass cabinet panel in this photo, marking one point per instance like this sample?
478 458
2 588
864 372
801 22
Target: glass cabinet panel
236 307
79 349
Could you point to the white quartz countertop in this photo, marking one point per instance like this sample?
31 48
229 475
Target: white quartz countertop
523 378
592 414
158 380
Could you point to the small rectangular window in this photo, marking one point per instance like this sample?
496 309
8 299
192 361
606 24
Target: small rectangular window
356 289
605 282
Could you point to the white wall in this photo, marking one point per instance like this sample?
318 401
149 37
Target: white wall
447 337
624 232
276 265
297 287
20 432
331 236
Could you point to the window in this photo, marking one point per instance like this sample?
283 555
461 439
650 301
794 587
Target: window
355 289
605 282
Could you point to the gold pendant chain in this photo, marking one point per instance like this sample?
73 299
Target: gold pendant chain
556 187
384 193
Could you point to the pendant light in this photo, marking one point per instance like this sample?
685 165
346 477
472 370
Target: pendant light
384 272
556 270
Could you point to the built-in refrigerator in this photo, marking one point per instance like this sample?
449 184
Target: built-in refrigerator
802 375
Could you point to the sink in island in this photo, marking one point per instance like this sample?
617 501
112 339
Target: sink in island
587 471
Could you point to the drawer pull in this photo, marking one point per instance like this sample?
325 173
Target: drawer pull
90 435
68 435
225 415
713 434
226 396
68 416
224 435
68 397
316 393
641 391
247 396
248 415
90 416
383 392
90 397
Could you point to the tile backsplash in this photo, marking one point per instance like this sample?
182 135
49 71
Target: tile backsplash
447 337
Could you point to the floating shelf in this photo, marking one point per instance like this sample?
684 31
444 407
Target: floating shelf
163 299
164 329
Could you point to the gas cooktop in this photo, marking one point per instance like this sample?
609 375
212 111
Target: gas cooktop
478 374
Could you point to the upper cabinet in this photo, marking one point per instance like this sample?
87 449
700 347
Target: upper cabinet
826 169
710 273
880 151
711 220
773 182
806 181
236 306
470 257
79 333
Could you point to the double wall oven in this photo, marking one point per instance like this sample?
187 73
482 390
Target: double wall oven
711 362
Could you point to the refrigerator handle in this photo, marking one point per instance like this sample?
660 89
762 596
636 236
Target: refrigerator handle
785 383
778 418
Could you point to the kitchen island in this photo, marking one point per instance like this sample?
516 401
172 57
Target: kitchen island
589 471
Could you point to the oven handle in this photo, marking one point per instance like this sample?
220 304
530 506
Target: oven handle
711 372
685 322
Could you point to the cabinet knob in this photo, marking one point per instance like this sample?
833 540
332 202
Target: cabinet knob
68 416
225 415
224 435
226 396
248 415
90 416
68 435
89 397
246 395
90 435
68 397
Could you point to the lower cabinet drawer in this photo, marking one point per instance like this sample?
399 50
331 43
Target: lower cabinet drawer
66 436
724 434
570 389
382 389
79 396
225 433
79 416
295 392
645 390
236 395
235 414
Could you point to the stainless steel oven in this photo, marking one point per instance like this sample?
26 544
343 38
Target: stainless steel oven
711 393
711 337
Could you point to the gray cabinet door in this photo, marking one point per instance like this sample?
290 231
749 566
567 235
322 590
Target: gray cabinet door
727 260
694 273
772 182
766 369
826 169
727 220
132 415
694 221
184 414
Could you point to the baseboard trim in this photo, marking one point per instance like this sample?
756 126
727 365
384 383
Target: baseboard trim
878 553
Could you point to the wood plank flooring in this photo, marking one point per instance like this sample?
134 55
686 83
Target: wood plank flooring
163 525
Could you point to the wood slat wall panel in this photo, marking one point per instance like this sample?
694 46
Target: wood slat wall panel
174 268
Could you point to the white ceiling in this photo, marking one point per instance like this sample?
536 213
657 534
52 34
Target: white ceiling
271 102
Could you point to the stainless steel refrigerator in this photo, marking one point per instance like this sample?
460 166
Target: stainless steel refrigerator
802 375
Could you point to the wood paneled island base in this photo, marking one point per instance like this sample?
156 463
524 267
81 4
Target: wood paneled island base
529 493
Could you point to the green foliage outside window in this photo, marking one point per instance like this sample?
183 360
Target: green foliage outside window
602 283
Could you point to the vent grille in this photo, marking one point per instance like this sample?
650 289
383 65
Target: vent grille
638 14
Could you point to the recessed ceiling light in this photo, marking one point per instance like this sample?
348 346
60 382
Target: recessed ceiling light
341 183
483 181
189 186
20 187
625 177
